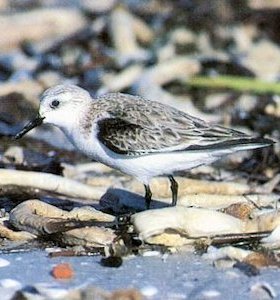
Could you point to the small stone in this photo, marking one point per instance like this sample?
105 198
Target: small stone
151 253
4 262
62 271
111 261
211 294
149 291
224 263
10 284
247 269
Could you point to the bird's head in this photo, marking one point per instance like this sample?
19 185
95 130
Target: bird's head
60 106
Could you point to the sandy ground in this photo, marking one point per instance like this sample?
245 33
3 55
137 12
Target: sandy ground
173 277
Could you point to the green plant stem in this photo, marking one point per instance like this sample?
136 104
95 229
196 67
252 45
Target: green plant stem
242 84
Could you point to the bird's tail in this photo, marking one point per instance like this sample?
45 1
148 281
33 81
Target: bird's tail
232 145
241 145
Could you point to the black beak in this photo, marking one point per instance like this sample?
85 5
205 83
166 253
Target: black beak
32 124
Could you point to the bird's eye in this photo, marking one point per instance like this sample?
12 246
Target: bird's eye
55 103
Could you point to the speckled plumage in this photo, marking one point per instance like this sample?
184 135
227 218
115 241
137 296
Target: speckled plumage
136 136
131 125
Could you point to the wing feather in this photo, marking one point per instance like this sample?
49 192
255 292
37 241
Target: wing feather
137 127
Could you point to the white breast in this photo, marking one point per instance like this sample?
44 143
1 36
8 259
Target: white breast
142 167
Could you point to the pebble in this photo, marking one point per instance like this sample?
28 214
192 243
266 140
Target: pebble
151 253
232 274
149 291
211 294
10 284
62 271
4 262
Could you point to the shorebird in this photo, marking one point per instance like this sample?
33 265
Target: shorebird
139 137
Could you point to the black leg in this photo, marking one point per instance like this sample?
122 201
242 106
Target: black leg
174 189
148 195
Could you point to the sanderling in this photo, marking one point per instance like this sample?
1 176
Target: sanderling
139 137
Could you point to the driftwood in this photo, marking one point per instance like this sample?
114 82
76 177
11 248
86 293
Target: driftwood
160 187
49 182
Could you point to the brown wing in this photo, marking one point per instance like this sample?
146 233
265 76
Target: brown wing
142 127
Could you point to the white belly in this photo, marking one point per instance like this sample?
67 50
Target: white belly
142 167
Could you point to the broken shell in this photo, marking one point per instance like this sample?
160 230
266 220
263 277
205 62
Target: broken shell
273 240
89 236
40 218
86 213
15 235
188 222
231 252
240 210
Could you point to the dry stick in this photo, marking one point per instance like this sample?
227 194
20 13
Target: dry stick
161 187
237 83
51 183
